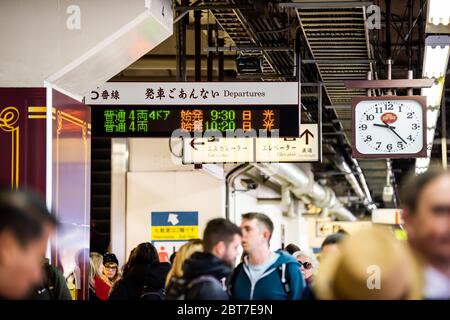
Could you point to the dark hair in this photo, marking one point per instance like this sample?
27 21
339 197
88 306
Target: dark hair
291 248
413 187
145 253
217 230
262 218
334 238
24 214
172 257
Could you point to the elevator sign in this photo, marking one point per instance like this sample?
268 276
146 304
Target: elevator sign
305 148
174 225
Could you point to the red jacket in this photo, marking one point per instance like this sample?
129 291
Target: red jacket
102 289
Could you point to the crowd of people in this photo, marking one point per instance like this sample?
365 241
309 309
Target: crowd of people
369 264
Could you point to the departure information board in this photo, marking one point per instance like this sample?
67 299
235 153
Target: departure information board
161 121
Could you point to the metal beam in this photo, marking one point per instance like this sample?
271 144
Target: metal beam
300 4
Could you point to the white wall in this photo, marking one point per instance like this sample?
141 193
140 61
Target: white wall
155 182
158 182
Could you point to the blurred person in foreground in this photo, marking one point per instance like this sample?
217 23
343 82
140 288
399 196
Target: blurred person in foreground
53 286
426 213
25 227
370 265
331 243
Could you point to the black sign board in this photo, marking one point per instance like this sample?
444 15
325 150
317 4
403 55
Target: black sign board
161 121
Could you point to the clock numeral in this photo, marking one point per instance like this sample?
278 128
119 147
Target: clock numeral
370 117
399 108
410 138
414 126
389 146
409 115
368 139
378 110
363 127
400 144
378 145
389 106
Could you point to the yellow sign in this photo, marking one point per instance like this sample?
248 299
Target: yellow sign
165 233
401 234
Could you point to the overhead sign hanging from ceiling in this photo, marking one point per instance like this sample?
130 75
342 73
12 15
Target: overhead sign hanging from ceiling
195 93
158 109
305 148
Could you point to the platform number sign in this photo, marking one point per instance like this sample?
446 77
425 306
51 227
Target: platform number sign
389 127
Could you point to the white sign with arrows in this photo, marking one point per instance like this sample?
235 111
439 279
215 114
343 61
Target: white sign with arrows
240 150
302 149
173 219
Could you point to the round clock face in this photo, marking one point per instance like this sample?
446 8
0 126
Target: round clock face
389 127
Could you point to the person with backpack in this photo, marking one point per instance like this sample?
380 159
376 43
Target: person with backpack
205 273
264 275
143 276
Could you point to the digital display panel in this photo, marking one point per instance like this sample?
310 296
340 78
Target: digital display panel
156 121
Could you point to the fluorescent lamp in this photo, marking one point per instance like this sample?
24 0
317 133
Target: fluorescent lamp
430 138
435 62
422 165
438 12
434 93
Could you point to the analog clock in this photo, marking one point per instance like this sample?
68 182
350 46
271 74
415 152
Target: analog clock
389 127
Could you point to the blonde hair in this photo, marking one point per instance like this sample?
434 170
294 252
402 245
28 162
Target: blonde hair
95 262
311 256
182 255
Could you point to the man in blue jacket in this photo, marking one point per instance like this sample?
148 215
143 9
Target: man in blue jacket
264 275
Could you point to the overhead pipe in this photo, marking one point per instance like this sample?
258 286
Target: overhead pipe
361 189
229 185
349 176
302 184
364 185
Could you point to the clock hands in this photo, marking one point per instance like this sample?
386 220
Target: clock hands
383 125
391 128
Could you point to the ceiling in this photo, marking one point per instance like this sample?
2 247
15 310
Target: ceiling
336 46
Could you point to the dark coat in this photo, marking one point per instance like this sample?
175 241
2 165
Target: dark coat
54 286
205 264
130 287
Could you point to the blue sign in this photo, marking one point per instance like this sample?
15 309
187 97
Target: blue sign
175 218
174 225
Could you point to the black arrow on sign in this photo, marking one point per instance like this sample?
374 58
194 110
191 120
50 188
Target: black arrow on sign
307 133
193 144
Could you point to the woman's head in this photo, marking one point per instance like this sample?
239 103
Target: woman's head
111 266
145 253
182 255
308 264
96 266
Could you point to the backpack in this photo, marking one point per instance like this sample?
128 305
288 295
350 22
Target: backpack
178 289
284 278
148 293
